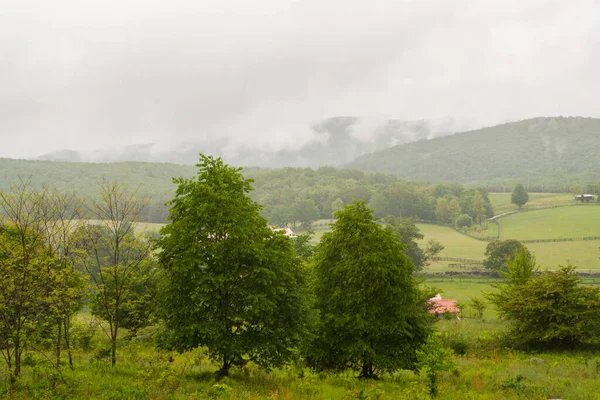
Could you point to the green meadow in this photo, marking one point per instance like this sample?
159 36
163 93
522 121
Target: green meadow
561 222
575 221
502 201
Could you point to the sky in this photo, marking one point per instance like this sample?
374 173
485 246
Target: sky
87 74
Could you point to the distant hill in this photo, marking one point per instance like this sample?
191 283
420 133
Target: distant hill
335 141
530 151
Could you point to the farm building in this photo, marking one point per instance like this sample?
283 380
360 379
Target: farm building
584 197
440 307
286 231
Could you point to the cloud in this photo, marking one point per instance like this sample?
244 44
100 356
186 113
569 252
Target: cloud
86 74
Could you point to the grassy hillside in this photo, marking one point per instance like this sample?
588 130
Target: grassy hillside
502 201
528 151
550 223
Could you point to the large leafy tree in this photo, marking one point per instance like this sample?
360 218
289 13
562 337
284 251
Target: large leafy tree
409 234
519 196
230 283
499 252
372 316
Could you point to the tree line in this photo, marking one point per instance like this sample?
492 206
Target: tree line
53 261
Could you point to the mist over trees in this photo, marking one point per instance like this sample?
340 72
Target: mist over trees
540 152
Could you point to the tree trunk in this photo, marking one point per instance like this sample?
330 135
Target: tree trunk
68 341
114 350
433 385
368 372
17 361
58 343
224 371
17 352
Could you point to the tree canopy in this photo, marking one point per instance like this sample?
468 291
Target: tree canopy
372 315
499 252
519 196
230 283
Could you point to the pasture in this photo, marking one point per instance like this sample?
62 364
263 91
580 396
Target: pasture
561 222
502 201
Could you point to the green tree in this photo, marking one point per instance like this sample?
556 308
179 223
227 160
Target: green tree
499 252
479 207
433 358
442 211
24 298
246 285
409 235
39 287
552 310
519 196
281 215
464 220
306 212
60 215
304 248
337 205
478 305
372 315
118 262
453 210
522 267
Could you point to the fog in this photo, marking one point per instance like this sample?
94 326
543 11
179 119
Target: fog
89 74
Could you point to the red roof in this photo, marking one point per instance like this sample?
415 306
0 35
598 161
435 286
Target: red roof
442 306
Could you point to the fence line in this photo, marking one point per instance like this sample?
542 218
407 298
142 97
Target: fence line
462 260
579 239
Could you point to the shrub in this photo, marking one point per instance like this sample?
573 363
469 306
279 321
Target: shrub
464 221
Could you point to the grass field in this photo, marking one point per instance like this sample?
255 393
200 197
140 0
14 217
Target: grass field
142 227
456 245
502 201
561 222
584 255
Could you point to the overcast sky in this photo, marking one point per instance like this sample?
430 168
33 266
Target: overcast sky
84 74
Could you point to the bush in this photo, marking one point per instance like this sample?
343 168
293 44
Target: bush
455 341
464 221
550 311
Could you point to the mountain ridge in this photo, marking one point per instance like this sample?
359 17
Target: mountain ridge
522 150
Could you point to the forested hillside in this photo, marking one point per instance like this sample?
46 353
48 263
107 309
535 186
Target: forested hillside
539 151
289 195
152 179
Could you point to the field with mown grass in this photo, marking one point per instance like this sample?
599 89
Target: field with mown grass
502 201
561 222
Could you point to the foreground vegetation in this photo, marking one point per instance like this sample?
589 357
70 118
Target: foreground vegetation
486 369
218 291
